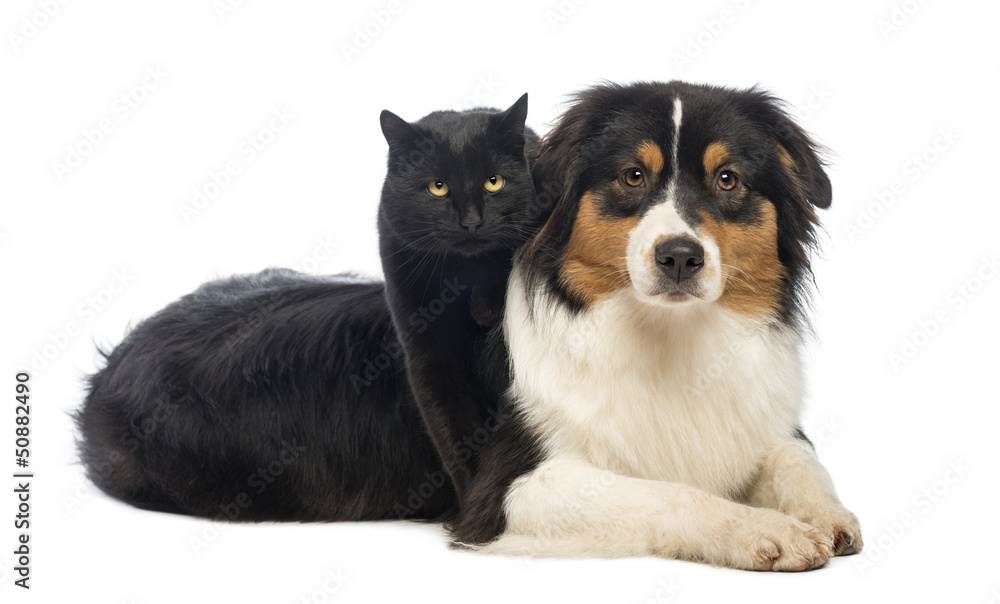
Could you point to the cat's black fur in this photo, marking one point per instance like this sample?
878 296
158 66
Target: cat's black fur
446 261
281 396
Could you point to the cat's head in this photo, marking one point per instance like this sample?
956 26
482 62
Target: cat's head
459 182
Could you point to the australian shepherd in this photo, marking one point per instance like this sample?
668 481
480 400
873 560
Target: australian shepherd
654 327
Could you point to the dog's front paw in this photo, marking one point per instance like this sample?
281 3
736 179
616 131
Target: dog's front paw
840 525
771 540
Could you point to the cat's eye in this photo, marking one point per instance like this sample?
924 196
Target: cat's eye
727 180
633 177
438 188
493 183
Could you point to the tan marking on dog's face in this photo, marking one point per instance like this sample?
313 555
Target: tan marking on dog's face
651 156
715 155
751 272
595 264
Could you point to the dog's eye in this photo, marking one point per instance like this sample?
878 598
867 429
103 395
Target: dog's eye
493 183
438 189
727 181
633 177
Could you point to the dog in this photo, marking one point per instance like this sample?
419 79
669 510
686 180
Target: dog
654 326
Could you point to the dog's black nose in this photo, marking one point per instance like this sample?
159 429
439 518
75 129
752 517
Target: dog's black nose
680 258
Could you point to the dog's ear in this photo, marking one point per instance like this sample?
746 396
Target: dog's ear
800 159
561 158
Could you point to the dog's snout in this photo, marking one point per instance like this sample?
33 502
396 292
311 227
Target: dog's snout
680 258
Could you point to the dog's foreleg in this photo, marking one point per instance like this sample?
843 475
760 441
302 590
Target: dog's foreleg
792 481
568 507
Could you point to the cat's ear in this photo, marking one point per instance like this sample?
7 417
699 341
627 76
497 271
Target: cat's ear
513 119
397 131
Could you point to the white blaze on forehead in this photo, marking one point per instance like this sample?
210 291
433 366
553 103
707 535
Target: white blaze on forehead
663 221
675 144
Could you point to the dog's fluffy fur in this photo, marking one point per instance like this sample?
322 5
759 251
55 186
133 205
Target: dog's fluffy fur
653 327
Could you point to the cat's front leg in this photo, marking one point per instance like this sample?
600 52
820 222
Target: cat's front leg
792 481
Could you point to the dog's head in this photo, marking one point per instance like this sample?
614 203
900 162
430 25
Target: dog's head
687 194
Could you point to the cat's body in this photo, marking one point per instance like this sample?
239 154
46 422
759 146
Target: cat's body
446 290
281 396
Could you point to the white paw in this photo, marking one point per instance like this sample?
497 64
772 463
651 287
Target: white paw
770 540
837 523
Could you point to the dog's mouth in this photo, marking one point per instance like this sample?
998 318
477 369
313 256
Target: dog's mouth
671 294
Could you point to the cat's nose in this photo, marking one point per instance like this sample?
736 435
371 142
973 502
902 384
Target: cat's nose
471 223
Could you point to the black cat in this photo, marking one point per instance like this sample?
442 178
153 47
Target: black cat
281 396
446 248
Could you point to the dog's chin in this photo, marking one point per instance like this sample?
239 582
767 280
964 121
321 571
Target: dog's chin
671 298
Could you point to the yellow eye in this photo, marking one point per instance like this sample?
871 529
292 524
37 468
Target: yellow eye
438 189
633 177
493 183
727 181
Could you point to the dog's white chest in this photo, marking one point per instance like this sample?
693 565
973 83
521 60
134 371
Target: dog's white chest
694 395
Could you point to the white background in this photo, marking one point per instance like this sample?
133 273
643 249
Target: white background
111 232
